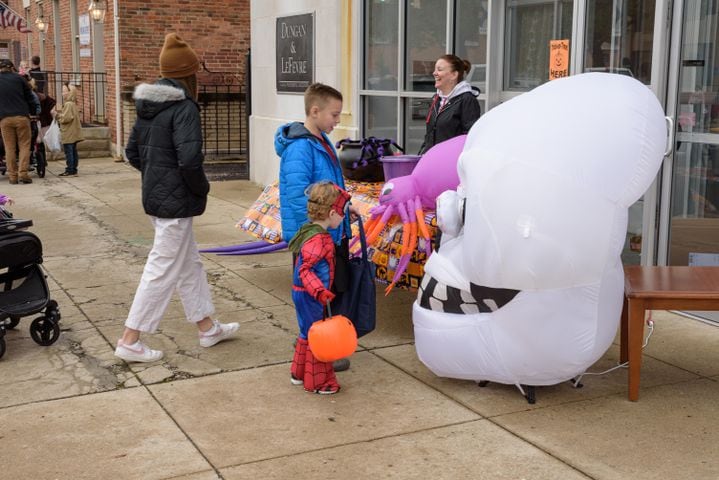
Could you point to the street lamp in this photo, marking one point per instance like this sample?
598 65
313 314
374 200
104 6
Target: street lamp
41 24
97 10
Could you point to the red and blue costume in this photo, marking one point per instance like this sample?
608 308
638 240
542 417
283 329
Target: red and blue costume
311 282
312 279
313 274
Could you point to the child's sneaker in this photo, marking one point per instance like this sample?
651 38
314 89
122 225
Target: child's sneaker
137 352
296 381
329 389
217 333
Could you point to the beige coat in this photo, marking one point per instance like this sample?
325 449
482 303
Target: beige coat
69 121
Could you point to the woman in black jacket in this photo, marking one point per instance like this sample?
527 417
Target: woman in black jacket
454 107
166 146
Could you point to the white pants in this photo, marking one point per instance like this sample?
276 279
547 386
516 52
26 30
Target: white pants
173 263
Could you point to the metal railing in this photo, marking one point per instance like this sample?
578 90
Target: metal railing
91 93
223 106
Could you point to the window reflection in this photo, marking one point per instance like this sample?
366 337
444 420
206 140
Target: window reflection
619 37
470 39
380 117
426 35
531 25
381 46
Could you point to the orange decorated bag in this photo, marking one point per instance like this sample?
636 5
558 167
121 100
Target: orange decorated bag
332 338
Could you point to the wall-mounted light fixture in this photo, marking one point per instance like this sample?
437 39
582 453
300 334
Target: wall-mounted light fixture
41 24
97 10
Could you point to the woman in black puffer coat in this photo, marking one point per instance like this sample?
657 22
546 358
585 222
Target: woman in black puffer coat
166 146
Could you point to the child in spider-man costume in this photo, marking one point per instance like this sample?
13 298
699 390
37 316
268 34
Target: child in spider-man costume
312 280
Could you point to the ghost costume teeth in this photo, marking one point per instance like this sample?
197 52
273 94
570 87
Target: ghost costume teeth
526 286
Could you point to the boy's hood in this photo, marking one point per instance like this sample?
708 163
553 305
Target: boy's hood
289 133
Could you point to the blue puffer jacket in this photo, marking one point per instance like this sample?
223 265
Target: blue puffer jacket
304 161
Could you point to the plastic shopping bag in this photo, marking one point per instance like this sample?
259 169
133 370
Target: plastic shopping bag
52 138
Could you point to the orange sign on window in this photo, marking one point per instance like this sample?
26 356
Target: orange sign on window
558 59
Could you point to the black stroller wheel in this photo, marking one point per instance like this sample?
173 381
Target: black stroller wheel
2 347
13 323
44 331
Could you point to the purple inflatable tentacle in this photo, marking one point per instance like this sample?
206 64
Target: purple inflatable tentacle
401 267
427 240
235 248
402 212
387 214
265 249
377 210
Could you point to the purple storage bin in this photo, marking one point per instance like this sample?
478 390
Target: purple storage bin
398 165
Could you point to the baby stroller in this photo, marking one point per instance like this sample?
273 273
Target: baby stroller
26 292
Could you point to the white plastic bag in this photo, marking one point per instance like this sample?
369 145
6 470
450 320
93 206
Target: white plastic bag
52 138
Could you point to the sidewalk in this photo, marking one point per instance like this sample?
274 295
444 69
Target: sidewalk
72 410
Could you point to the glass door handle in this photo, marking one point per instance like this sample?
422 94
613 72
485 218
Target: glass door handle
670 133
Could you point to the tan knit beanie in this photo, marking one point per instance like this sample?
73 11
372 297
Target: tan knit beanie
177 59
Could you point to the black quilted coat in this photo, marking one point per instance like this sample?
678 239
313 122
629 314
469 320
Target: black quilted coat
166 146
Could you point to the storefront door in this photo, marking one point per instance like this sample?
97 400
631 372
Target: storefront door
689 221
692 212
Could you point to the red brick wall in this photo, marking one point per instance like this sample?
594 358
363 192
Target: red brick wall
12 36
218 30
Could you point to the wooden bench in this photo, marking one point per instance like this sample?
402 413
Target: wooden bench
660 288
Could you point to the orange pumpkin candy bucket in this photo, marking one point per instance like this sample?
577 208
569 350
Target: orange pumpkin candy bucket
332 338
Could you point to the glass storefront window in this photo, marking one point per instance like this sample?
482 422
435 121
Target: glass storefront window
695 204
381 44
530 25
619 37
426 34
424 30
470 39
416 110
380 117
694 223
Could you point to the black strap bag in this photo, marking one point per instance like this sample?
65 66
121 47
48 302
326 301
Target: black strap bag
359 302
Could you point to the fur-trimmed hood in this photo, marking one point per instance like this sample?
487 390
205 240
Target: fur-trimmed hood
151 99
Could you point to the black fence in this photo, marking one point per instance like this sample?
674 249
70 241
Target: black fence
91 92
223 106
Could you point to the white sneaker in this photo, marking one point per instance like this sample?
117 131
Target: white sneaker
217 333
137 352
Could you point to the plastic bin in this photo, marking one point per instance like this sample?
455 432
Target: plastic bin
398 165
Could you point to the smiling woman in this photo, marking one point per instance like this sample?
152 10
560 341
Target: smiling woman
454 108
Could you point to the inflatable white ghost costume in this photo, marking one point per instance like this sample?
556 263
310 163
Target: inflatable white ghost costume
528 289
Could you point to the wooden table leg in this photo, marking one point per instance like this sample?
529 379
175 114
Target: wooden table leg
624 333
636 338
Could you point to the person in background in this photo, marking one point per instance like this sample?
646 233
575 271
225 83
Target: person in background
34 115
39 76
454 107
70 130
16 103
23 68
312 280
166 146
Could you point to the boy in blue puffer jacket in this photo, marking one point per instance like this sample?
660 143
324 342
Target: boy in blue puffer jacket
307 157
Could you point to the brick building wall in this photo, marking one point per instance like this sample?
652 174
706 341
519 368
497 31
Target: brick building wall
11 38
218 30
